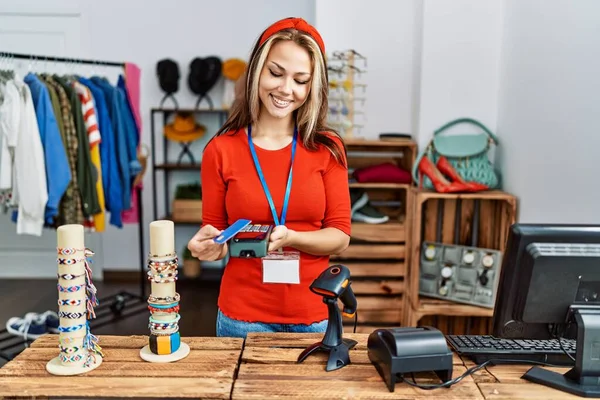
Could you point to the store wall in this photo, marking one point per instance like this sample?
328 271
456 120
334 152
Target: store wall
381 30
142 32
459 61
549 106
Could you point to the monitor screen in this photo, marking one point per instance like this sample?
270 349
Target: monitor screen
546 268
554 277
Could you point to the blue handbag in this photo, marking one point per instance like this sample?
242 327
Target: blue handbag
468 154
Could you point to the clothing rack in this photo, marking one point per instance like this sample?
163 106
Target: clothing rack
22 56
113 306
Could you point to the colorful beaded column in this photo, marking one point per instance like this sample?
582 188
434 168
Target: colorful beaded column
164 342
79 351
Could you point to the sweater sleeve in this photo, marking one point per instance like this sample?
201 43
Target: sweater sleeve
337 194
31 172
213 187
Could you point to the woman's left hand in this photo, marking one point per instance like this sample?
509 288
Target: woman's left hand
280 237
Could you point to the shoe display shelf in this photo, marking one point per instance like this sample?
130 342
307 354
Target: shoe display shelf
380 241
481 219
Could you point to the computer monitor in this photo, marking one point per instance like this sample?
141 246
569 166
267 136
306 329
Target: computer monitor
550 287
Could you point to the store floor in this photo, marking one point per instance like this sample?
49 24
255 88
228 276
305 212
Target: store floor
198 305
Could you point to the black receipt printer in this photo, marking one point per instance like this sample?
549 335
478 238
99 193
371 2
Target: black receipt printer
404 350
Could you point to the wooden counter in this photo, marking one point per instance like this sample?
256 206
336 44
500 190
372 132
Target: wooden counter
207 372
262 367
268 369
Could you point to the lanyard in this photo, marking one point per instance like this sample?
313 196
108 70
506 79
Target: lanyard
288 188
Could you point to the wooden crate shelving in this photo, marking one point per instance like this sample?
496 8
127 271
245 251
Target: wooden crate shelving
378 253
435 218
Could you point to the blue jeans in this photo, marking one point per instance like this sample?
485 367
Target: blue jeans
234 328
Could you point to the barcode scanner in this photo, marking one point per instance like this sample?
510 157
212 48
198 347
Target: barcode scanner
333 284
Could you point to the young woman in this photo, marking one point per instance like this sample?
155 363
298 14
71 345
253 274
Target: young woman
277 122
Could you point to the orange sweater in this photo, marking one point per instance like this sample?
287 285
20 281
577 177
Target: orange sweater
231 190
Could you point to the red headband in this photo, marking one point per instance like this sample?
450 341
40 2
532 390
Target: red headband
295 23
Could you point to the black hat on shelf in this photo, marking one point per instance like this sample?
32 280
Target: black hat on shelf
168 74
204 74
167 71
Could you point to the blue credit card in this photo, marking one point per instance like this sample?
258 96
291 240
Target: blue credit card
232 231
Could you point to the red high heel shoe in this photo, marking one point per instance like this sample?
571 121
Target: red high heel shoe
447 169
440 183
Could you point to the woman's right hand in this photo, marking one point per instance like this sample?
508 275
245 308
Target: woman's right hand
203 247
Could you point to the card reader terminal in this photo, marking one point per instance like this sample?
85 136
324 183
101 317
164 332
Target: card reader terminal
251 242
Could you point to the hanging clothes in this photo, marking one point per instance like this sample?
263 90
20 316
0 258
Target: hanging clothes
58 174
29 183
132 142
131 130
10 119
85 168
71 204
68 151
112 99
132 80
94 138
57 113
130 84
113 188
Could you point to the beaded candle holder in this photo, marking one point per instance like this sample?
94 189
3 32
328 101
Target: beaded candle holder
79 351
164 342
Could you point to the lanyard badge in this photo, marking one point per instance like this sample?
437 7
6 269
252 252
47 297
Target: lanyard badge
278 267
288 188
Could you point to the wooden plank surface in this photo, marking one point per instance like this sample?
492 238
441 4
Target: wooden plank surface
301 341
266 368
387 232
513 391
207 372
505 382
373 251
431 306
375 286
95 387
368 268
425 194
379 185
139 341
351 143
269 369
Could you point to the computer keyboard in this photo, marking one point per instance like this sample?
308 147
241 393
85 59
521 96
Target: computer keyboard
481 348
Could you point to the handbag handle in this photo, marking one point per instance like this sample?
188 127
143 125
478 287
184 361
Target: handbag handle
468 120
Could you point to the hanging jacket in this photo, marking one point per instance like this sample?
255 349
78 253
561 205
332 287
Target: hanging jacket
112 99
85 169
31 190
130 87
57 113
132 82
131 131
10 119
91 124
71 210
58 174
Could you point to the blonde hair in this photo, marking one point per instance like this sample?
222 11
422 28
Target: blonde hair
311 116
